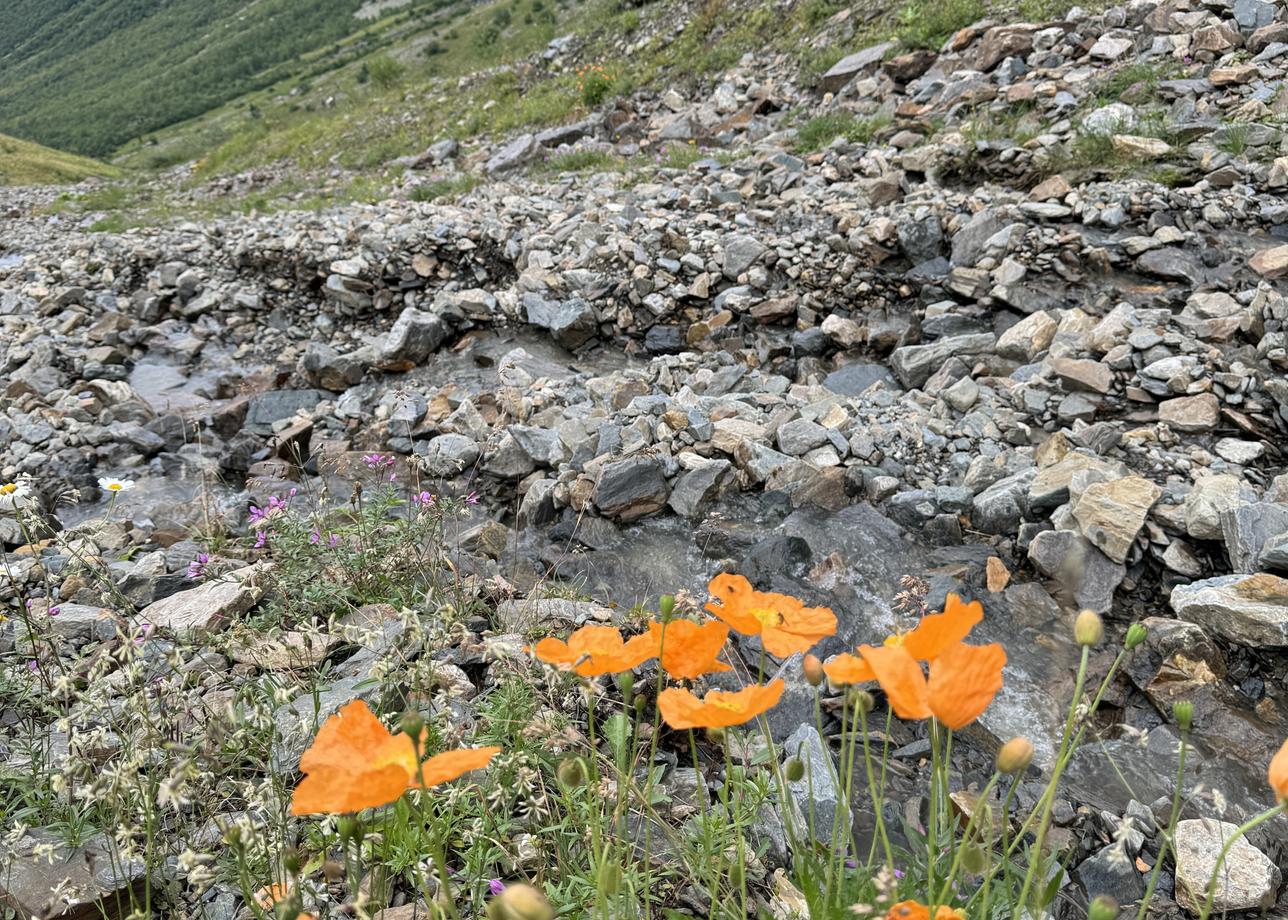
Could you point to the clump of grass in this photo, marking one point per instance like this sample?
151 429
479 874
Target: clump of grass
930 23
383 70
1234 139
585 160
821 130
445 188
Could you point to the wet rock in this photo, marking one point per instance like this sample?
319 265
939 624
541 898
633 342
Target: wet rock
1111 872
1248 880
631 488
1085 572
1247 609
695 489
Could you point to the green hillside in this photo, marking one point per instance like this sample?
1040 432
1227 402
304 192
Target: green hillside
88 75
25 163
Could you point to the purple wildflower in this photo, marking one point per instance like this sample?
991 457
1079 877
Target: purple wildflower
33 665
315 538
333 541
496 886
145 629
55 610
261 539
376 461
472 498
197 567
898 873
424 499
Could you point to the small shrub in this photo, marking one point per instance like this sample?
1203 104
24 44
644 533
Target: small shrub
818 132
384 71
594 85
929 23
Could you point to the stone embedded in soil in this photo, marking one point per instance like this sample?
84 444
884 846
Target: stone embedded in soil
817 794
204 609
1248 880
1248 609
81 883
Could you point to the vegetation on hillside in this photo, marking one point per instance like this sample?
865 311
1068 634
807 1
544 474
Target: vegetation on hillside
26 163
88 77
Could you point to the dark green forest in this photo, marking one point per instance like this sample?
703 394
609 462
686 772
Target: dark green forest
89 75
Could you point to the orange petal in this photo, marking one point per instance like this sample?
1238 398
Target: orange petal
353 738
846 669
1279 773
450 765
554 651
938 631
681 709
963 681
689 650
735 594
900 677
337 792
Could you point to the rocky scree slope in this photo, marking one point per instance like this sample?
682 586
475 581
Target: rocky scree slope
827 370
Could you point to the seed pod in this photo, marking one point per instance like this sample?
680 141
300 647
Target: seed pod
974 860
521 902
794 770
1088 628
1183 713
610 878
665 607
862 700
1102 908
412 724
571 772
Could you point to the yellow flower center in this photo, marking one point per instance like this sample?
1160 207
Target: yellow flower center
730 705
8 488
114 487
894 639
767 617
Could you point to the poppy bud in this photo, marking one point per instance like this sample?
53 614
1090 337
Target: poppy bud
1015 756
1102 908
626 682
291 861
412 724
233 836
1183 713
1136 634
1088 628
716 735
640 704
332 870
609 879
735 875
521 902
794 770
665 607
974 860
571 773
349 828
813 669
862 700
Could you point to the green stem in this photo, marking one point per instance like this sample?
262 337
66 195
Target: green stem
1167 835
981 805
877 800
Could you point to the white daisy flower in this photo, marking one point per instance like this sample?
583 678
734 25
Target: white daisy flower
15 494
109 484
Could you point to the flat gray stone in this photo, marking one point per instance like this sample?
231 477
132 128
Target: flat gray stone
1247 880
1248 609
206 608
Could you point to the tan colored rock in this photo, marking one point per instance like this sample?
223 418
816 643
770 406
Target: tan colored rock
1270 263
207 608
1248 879
1134 145
1191 413
1111 514
1234 74
1027 338
1082 374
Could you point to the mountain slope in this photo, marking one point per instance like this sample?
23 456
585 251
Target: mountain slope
26 163
88 75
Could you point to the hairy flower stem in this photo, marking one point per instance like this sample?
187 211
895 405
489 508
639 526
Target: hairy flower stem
1171 829
878 801
1048 796
981 805
1243 829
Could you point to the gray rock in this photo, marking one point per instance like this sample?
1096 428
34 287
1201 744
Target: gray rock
415 335
695 489
448 455
631 488
523 616
323 366
1248 609
278 405
1253 14
1084 571
1111 872
1274 553
817 793
1246 530
800 436
1000 507
913 364
1212 497
740 253
1248 879
88 882
1112 513
519 152
844 70
571 322
208 607
969 242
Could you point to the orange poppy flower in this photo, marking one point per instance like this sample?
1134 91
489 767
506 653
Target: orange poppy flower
269 895
938 631
720 709
911 910
1279 773
356 763
785 625
963 681
595 650
845 669
688 649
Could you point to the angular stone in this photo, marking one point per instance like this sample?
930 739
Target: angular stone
1133 145
1270 263
1050 487
415 335
1028 338
696 488
82 883
913 364
205 609
448 455
1248 879
1209 499
519 152
1191 413
740 253
800 436
547 613
1082 374
1247 529
1111 514
1251 610
1087 573
631 488
571 322
844 70
281 652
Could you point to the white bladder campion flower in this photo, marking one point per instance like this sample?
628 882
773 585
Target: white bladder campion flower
16 494
110 484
